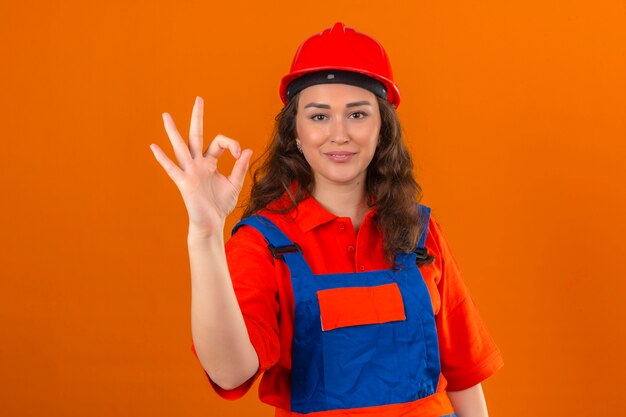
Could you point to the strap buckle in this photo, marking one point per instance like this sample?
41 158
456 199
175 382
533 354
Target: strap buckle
421 254
278 252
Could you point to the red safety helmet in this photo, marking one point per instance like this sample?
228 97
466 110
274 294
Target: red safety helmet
342 48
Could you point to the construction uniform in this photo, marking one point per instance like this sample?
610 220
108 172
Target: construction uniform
339 332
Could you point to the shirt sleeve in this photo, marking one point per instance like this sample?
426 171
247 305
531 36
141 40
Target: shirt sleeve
468 353
251 269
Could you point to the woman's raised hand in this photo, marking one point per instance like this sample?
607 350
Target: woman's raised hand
208 195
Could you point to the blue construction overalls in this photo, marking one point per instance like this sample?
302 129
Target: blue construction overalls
362 365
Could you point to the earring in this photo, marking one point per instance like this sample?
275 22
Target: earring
298 145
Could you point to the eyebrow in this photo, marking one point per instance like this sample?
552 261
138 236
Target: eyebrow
326 106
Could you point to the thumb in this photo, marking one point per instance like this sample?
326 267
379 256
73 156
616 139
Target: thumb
238 174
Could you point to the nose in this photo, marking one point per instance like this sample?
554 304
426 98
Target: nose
339 131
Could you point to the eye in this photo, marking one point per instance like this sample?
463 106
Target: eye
318 117
358 115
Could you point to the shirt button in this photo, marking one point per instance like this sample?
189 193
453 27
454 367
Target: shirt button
350 249
342 227
362 267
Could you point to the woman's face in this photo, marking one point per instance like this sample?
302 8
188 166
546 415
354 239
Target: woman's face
337 127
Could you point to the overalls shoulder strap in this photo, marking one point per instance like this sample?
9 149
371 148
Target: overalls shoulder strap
420 252
278 243
424 219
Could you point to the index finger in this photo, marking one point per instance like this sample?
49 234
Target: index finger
195 128
220 144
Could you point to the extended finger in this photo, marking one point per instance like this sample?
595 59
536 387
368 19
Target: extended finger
170 168
240 168
178 144
195 128
220 144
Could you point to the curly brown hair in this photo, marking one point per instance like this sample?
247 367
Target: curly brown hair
390 185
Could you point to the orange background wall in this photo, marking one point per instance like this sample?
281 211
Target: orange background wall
516 117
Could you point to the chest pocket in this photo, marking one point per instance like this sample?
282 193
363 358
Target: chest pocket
353 306
370 352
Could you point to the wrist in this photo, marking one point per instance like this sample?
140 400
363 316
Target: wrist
197 234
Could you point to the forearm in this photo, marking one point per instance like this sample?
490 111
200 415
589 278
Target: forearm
469 402
219 333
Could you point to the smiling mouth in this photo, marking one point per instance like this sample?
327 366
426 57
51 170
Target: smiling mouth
340 156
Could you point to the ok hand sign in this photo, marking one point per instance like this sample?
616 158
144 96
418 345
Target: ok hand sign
208 195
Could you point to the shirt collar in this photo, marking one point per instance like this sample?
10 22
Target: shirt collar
310 213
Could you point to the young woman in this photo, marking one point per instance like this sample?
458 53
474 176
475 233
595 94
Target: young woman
336 286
